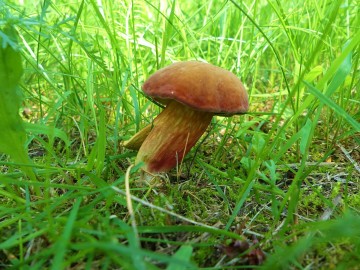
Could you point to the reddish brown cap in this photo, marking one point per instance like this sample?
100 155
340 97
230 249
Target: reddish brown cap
201 86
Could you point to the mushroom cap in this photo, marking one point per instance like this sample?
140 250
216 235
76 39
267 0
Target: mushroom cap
199 85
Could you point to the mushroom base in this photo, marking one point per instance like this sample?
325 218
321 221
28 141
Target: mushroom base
175 131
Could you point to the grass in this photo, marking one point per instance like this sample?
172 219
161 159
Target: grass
276 188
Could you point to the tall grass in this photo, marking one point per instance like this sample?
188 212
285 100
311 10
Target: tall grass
282 178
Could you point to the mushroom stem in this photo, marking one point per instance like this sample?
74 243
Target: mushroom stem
175 131
135 142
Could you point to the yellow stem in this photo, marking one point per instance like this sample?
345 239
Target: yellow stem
175 131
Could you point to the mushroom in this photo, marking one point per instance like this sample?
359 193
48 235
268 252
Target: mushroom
193 92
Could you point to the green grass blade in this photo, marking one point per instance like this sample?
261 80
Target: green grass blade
332 105
167 33
183 254
316 233
60 247
47 130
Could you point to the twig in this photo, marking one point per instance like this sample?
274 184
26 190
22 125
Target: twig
161 209
329 211
348 156
295 165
